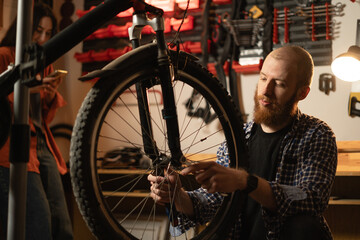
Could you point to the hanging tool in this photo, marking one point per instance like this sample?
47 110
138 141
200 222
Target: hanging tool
354 101
337 7
326 83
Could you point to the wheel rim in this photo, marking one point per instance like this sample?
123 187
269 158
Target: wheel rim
115 193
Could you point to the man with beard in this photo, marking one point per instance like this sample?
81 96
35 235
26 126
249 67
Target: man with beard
292 162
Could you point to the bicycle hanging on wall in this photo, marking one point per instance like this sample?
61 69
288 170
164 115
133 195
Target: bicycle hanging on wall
140 104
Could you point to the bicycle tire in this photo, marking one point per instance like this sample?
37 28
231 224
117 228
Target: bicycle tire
89 143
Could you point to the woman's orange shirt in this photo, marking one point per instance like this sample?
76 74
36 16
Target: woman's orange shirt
7 56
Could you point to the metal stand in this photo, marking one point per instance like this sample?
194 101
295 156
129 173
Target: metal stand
20 131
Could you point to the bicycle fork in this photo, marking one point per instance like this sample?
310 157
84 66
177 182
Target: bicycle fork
166 75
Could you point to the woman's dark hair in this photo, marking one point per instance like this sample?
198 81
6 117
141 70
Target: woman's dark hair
40 10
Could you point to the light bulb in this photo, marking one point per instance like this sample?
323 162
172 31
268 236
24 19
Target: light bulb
346 68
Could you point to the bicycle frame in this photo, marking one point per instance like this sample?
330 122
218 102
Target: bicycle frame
58 46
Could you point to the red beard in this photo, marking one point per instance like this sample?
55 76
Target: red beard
275 114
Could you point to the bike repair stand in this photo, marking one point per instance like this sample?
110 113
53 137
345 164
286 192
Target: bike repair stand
20 131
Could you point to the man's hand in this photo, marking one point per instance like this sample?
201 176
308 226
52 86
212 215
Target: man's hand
169 189
216 178
163 189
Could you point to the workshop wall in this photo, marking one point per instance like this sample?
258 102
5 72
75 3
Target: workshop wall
331 107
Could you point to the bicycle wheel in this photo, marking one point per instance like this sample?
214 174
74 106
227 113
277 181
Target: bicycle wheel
108 163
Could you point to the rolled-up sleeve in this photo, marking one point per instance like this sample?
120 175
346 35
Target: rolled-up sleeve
308 190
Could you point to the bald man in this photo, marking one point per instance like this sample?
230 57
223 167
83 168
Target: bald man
292 162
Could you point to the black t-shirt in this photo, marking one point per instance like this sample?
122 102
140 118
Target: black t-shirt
263 158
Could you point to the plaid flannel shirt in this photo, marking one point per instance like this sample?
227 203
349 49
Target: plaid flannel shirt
304 177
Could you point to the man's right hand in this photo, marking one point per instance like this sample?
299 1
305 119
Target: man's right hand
168 189
163 189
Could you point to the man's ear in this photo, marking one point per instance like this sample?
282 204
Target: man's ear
303 92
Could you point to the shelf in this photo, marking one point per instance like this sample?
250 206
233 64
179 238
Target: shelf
340 201
348 161
128 171
123 171
348 164
348 146
126 194
348 158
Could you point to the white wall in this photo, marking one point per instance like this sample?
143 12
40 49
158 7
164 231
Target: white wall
9 13
333 108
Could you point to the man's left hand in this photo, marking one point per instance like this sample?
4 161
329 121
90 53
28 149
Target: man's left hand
216 178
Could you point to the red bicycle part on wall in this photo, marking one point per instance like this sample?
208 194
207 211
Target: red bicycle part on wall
327 19
101 56
275 27
313 37
244 69
187 25
286 26
220 2
193 4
